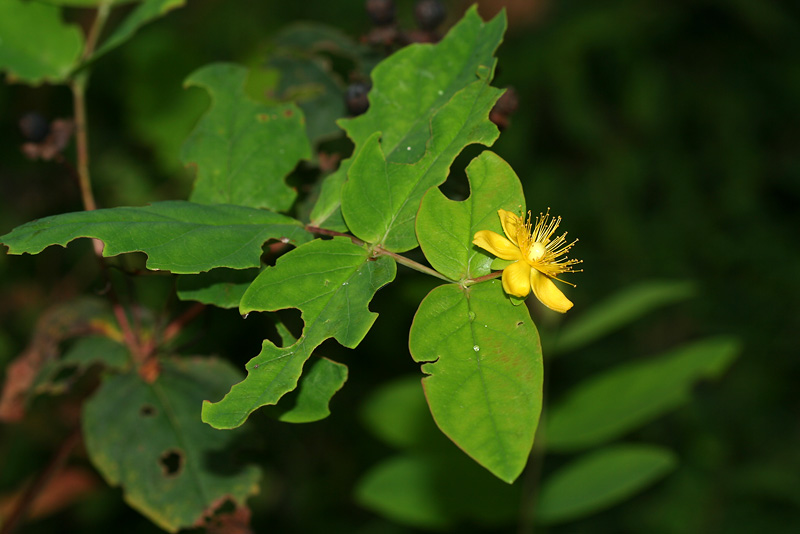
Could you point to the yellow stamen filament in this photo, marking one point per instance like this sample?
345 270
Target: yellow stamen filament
542 253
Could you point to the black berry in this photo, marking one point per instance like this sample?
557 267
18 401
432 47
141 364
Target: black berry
381 12
356 98
429 14
34 127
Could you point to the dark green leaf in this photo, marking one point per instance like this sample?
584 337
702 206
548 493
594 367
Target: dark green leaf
243 149
601 479
484 365
35 45
148 438
437 491
619 310
609 405
332 283
87 351
177 236
398 414
445 228
219 287
145 12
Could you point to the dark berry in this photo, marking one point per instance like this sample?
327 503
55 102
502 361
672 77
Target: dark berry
356 98
34 127
381 12
429 14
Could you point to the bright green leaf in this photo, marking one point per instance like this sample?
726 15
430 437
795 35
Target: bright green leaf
148 438
445 228
484 365
403 108
381 198
332 283
327 212
601 479
309 401
416 82
243 149
607 406
35 45
437 491
177 236
619 310
219 287
145 12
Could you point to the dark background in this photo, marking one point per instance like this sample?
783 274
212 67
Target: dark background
667 135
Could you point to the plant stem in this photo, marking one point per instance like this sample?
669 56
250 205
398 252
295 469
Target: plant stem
402 260
78 87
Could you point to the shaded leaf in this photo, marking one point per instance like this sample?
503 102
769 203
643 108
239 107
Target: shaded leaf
177 236
36 46
86 352
148 438
219 287
145 12
600 480
445 228
437 491
327 211
309 401
78 317
243 149
607 406
332 283
619 310
484 365
398 415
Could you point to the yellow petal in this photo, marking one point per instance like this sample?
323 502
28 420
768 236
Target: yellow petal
547 292
511 224
497 245
517 279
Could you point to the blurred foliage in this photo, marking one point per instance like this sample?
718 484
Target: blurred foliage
665 133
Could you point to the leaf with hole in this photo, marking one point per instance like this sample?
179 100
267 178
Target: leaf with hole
483 362
332 283
445 227
148 439
177 236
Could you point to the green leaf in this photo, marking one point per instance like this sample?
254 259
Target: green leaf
411 86
243 149
403 108
484 365
219 287
35 45
381 198
398 414
332 283
177 236
148 438
437 491
609 405
316 89
309 401
327 212
600 480
445 228
620 310
145 12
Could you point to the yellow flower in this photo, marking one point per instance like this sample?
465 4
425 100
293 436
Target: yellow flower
535 255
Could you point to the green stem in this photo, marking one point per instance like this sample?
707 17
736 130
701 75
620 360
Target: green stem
402 260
